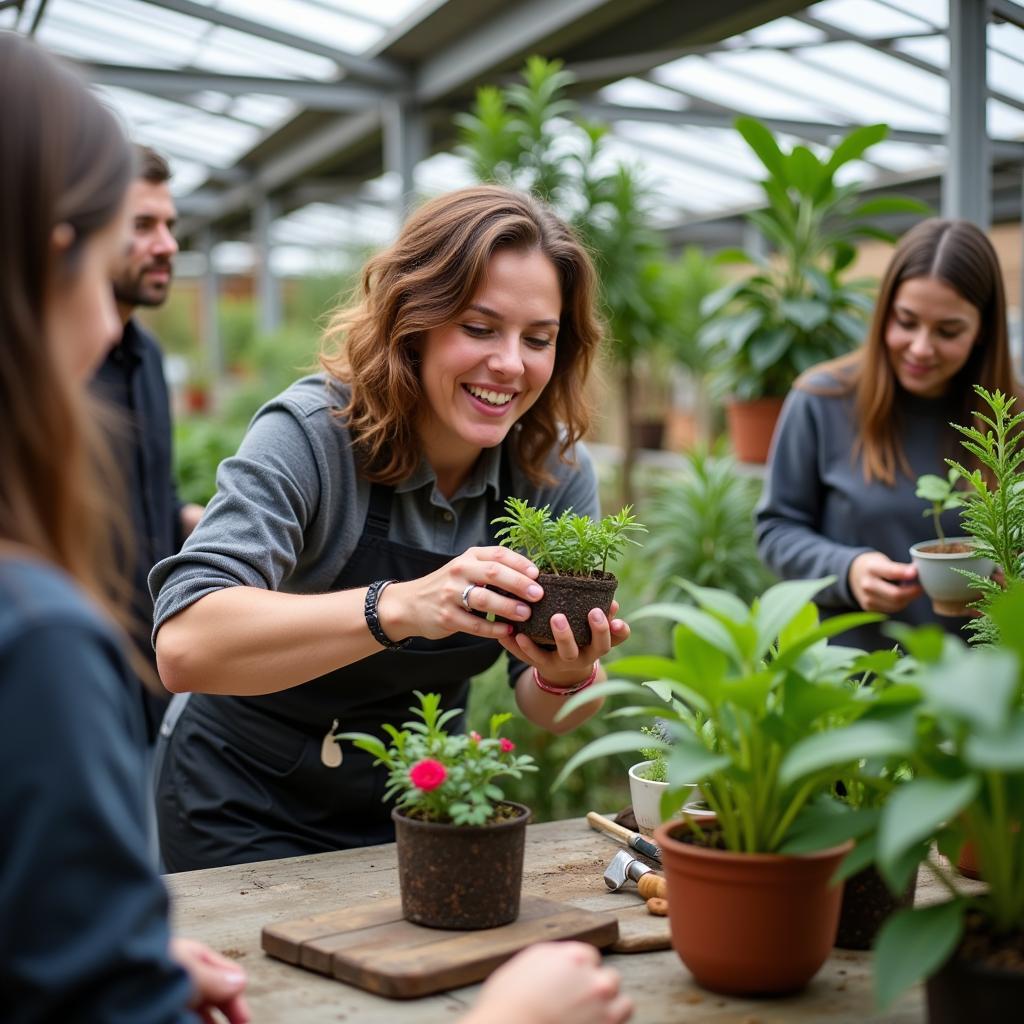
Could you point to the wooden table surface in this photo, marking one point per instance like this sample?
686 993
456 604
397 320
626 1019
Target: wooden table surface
227 907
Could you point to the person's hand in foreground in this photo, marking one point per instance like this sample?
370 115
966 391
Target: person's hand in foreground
217 982
879 584
552 983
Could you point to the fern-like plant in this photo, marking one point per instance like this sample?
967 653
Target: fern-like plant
994 506
569 545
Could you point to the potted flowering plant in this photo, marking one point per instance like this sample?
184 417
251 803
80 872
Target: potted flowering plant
572 553
460 843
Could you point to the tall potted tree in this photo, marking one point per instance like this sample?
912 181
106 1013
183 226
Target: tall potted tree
796 307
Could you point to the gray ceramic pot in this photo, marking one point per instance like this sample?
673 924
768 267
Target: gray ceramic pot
949 590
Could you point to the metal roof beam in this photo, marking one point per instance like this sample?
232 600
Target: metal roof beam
818 131
336 96
505 35
377 70
840 35
1007 11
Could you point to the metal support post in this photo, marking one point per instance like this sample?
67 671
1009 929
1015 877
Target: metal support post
405 145
267 286
967 183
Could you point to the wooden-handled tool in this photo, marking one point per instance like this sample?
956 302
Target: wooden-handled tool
631 839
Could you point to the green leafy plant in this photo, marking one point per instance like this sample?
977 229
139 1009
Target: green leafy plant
994 504
702 530
744 686
437 776
570 545
796 308
941 493
961 730
657 770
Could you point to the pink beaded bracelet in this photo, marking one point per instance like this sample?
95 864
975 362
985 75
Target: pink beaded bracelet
560 691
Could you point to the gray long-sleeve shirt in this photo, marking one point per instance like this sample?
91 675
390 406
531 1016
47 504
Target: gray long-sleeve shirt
290 506
817 512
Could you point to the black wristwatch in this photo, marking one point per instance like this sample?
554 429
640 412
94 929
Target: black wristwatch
373 592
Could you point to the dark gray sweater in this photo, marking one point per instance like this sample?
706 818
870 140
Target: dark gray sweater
818 513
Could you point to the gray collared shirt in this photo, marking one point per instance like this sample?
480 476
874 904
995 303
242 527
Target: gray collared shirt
290 506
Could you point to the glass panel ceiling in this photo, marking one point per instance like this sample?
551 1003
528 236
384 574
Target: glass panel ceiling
799 68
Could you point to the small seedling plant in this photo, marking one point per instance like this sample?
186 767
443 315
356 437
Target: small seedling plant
657 770
569 545
941 494
438 776
994 506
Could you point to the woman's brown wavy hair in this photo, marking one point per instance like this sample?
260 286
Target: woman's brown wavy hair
65 161
425 280
960 255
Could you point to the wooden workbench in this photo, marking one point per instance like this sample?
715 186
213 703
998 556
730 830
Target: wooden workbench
227 907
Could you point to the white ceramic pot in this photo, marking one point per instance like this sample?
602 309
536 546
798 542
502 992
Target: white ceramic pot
950 591
646 799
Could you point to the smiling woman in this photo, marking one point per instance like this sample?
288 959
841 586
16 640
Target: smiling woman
857 432
348 557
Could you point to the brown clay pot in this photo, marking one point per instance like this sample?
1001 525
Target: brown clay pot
649 434
749 923
462 877
751 425
867 905
573 596
967 863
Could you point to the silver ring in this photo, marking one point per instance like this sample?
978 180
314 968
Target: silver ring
465 596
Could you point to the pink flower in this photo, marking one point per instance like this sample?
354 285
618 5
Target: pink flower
506 745
475 736
427 774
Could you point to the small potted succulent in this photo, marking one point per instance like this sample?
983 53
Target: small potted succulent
572 553
460 842
747 914
943 563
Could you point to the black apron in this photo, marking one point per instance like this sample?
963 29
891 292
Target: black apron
240 779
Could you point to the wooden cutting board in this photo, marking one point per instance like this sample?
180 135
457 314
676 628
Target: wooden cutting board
375 948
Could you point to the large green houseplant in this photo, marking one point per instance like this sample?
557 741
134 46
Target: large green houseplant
744 686
961 730
796 306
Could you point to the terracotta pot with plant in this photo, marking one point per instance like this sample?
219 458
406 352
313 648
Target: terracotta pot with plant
943 563
745 685
572 553
460 843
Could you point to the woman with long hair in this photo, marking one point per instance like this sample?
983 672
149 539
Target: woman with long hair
857 432
85 933
348 557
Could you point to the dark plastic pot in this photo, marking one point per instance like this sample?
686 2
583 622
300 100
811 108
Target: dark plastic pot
867 904
749 923
573 596
462 877
969 992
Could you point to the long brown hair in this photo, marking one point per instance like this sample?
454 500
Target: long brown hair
425 280
65 161
960 255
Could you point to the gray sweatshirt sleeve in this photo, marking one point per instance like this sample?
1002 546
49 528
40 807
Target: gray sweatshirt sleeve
790 513
254 530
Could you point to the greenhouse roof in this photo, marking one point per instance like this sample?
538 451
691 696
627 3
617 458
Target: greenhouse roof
300 101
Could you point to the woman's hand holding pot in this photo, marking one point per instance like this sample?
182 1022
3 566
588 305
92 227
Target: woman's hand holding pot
458 597
879 584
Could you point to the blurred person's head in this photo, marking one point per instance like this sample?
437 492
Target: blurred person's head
143 276
65 169
477 324
938 328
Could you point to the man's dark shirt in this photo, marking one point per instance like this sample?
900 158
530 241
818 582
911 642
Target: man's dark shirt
131 379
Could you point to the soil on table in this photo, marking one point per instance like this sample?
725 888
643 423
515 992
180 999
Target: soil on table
947 549
982 945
